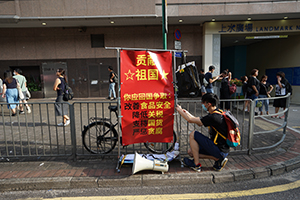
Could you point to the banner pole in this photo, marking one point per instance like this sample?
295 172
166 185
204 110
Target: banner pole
164 24
119 103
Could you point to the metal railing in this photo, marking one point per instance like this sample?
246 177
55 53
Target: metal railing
36 134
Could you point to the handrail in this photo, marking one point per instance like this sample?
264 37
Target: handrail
251 124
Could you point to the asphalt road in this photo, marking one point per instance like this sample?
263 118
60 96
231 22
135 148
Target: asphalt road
286 186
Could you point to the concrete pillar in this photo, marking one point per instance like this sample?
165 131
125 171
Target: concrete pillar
212 52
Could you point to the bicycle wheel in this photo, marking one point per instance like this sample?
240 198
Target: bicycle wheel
99 137
161 148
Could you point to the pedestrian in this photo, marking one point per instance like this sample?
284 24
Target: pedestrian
245 91
280 90
264 92
201 78
10 91
111 89
1 90
254 86
200 145
23 84
224 90
209 78
61 109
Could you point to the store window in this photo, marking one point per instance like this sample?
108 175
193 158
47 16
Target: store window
97 40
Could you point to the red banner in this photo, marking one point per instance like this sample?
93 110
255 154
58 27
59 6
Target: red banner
147 96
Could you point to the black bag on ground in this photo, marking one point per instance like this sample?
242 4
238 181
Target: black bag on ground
68 93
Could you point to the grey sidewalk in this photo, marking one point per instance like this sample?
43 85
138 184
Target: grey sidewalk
65 174
60 173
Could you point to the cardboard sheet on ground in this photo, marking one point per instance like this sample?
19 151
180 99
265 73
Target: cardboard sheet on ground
169 156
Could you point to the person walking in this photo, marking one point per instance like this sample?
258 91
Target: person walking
224 90
200 145
280 90
209 78
1 89
264 92
10 91
23 84
112 83
254 86
61 109
245 92
201 78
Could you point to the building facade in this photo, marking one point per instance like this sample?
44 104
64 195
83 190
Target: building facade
40 36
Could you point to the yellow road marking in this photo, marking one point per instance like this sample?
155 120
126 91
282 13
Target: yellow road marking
264 125
295 126
242 193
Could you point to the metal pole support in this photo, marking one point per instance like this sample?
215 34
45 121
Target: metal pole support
73 130
251 126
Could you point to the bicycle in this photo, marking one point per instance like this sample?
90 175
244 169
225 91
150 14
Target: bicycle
101 137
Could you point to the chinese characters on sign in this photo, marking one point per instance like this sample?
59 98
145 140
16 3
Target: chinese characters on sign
249 28
147 97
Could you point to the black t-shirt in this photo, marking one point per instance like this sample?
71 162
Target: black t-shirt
208 76
201 77
110 75
224 90
61 86
253 81
264 88
11 85
218 122
245 89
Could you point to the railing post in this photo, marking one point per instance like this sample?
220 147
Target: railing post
288 101
73 130
251 125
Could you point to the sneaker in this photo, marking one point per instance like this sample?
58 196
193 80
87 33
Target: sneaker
108 98
60 124
114 98
21 112
28 109
190 163
14 114
218 166
67 123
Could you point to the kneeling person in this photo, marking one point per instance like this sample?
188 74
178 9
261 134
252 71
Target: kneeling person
200 145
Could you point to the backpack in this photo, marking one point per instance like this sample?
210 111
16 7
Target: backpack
205 83
68 93
115 79
289 88
233 136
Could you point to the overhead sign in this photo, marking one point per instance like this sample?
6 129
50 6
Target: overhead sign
147 96
248 27
177 34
